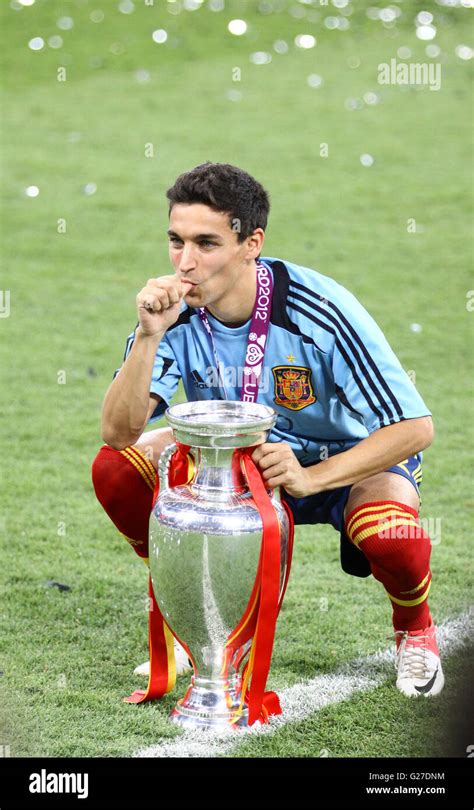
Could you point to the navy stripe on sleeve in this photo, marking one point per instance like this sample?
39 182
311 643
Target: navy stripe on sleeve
362 346
342 396
349 344
129 344
167 363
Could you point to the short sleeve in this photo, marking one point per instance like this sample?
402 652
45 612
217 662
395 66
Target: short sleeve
369 379
165 378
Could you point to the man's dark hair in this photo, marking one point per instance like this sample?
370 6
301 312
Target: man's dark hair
226 189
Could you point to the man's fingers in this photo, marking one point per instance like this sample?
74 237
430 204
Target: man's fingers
164 299
277 463
275 470
150 303
173 289
270 453
267 448
156 299
186 285
168 291
278 481
271 459
174 296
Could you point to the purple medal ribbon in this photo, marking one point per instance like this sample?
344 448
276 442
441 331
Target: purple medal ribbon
257 336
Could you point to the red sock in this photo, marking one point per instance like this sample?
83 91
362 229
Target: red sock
390 535
124 481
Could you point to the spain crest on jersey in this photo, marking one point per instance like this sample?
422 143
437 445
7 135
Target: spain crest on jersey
293 388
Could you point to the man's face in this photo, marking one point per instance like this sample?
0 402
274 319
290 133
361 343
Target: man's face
204 249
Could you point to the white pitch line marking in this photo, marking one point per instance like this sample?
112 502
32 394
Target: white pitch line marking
304 699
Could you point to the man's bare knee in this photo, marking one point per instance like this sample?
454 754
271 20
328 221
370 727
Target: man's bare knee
152 443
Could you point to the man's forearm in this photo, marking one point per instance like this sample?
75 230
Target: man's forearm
125 407
381 450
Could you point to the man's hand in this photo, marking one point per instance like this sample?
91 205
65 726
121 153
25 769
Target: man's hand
281 468
159 303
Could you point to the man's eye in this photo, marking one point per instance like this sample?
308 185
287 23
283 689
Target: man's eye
206 243
175 241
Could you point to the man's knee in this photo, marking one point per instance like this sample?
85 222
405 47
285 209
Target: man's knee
111 472
385 486
124 482
101 466
152 443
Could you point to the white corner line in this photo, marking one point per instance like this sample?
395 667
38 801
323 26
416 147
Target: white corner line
300 701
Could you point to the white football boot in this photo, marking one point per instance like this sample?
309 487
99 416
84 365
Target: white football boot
418 663
183 663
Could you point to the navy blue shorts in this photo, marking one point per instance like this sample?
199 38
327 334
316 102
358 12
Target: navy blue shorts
328 507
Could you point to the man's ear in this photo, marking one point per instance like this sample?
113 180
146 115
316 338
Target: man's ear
255 243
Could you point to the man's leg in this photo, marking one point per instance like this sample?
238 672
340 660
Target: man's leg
124 482
381 519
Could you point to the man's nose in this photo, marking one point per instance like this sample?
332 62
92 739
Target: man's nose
187 261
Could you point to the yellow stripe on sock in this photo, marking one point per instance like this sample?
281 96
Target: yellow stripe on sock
410 602
144 463
390 524
418 587
372 509
138 467
354 525
132 542
145 460
136 543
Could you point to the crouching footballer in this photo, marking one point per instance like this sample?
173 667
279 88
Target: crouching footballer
351 428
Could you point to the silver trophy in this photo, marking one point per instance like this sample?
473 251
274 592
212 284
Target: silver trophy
205 541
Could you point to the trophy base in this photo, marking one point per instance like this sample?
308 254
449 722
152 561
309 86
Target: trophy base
213 705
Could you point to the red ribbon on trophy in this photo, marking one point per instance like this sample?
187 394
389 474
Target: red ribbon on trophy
260 616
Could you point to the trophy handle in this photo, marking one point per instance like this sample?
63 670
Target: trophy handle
164 465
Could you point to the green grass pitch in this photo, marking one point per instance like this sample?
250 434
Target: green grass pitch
67 657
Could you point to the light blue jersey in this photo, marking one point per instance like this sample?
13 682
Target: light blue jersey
329 372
